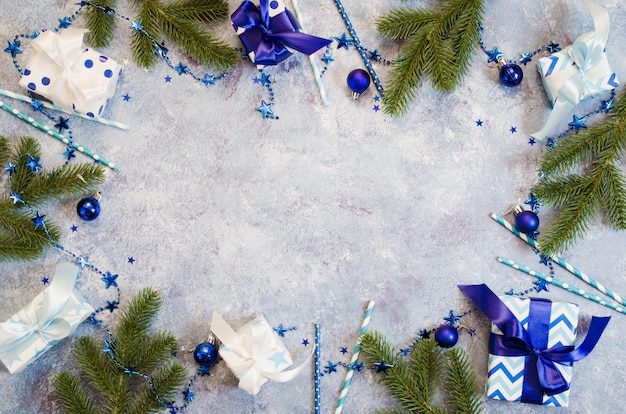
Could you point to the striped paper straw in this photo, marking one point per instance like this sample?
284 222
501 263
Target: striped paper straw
318 400
562 285
58 136
355 356
316 71
561 262
48 105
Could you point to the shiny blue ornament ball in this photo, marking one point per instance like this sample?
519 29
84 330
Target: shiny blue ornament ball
511 74
358 81
205 354
446 336
88 208
527 222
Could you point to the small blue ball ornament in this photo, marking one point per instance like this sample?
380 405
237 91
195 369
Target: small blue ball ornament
205 354
88 208
358 82
446 336
527 222
511 74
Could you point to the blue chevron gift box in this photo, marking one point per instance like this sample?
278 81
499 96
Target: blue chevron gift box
531 346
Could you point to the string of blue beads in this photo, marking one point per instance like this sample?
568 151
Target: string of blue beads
525 57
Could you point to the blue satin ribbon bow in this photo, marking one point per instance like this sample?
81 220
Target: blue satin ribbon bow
541 375
268 37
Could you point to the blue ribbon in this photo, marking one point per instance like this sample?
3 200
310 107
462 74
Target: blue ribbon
269 37
541 375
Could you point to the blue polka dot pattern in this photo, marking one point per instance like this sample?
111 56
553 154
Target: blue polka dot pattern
32 86
274 4
101 109
45 81
26 72
89 63
108 73
90 114
103 58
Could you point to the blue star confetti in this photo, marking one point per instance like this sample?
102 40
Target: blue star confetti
126 97
513 130
305 342
189 395
74 228
265 79
328 57
45 280
479 123
168 79
131 260
37 105
109 280
376 108
532 141
344 350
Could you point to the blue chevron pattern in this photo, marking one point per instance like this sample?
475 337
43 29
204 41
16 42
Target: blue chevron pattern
506 374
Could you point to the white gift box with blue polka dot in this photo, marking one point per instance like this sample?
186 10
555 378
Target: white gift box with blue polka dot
73 77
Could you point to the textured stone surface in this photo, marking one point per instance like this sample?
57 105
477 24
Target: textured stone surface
306 218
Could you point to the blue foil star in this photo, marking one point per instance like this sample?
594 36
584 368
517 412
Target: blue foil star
375 55
189 395
526 57
405 351
111 305
83 261
202 371
358 366
424 334
136 25
265 79
109 280
33 163
330 367
62 124
64 23
161 50
38 220
180 68
280 330
37 105
343 41
533 201
541 285
69 153
13 48
510 292
494 54
578 123
94 321
382 366
553 47
607 105
10 169
208 80
107 348
452 318
328 57
15 197
265 109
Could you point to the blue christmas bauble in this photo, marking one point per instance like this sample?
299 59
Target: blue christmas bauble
446 336
88 208
511 74
205 354
527 222
358 82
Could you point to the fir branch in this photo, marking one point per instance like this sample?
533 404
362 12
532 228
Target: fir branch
596 153
207 11
97 370
440 47
168 379
155 348
74 398
460 383
144 51
101 25
4 150
72 181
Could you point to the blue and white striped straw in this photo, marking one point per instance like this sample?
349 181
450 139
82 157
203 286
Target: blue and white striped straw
560 261
562 285
58 136
355 356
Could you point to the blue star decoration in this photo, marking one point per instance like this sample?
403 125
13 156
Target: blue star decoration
111 305
405 351
471 332
343 41
513 130
358 366
533 201
13 48
344 350
266 109
109 280
208 80
328 57
376 98
552 143
526 57
131 260
107 348
382 366
479 123
532 141
330 367
94 321
180 68
202 371
266 80
607 105
424 334
553 47
375 55
161 50
64 23
578 123
168 79
540 285
543 259
38 220
189 395
45 280
74 227
69 153
280 330
126 97
37 105
83 261
62 124
10 169
136 25
494 54
376 108
510 292
305 342
15 197
452 318
33 163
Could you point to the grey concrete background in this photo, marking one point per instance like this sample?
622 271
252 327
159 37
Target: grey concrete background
306 218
